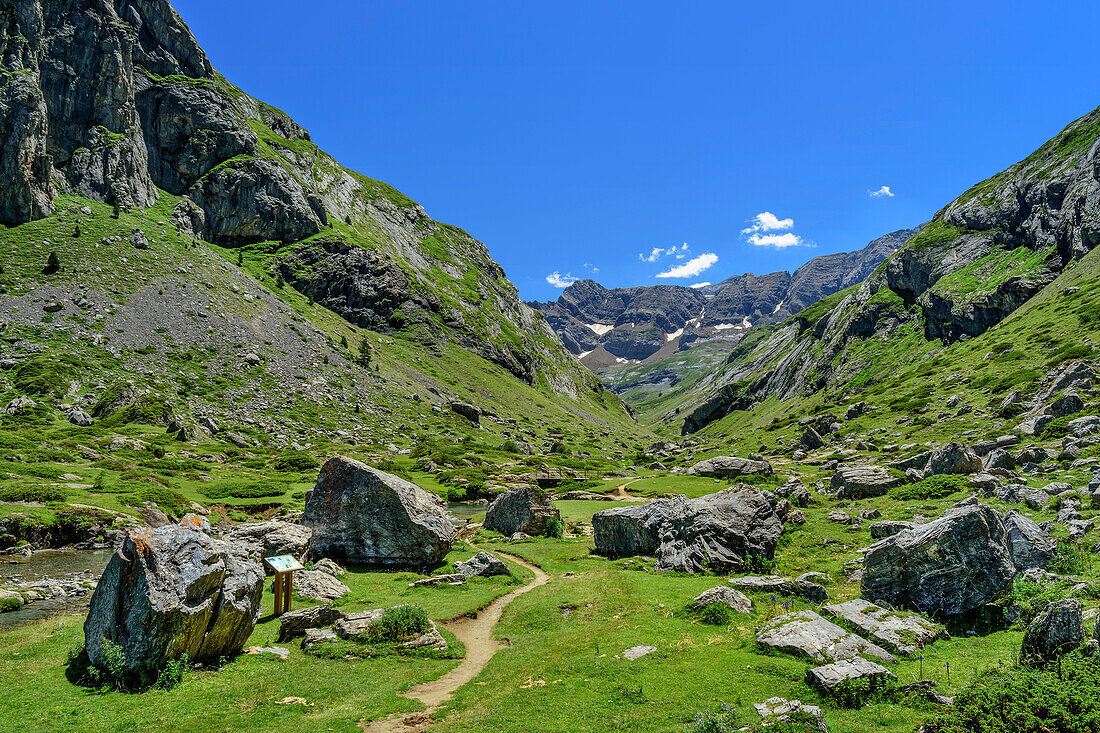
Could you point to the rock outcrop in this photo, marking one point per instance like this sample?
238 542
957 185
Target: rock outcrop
483 564
361 515
523 509
806 634
946 567
174 591
1057 630
1030 545
901 633
723 594
860 482
272 538
730 467
632 530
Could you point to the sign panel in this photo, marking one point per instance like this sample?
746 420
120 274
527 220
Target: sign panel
283 563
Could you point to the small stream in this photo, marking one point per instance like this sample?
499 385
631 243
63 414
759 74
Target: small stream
66 565
465 510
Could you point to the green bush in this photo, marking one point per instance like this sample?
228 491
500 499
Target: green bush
716 614
555 528
244 490
169 501
295 460
44 375
1059 427
724 720
1070 558
9 604
1029 599
933 487
43 494
1019 699
398 624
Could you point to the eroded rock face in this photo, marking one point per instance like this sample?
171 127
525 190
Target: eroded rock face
1030 545
627 531
946 567
522 509
718 532
730 467
361 515
318 586
904 634
174 591
805 633
1057 630
859 482
269 539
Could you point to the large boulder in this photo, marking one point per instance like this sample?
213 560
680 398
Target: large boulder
859 482
482 564
627 531
523 509
173 591
946 567
269 539
1030 545
295 623
730 467
805 633
901 633
951 458
1057 630
828 677
718 532
359 514
723 594
318 586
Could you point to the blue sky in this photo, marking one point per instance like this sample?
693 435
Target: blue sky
570 136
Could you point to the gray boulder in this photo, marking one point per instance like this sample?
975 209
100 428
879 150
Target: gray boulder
1057 630
735 599
1031 547
295 623
948 566
1000 458
327 565
627 531
904 634
805 633
174 591
319 586
888 528
523 509
79 418
859 482
730 467
951 458
269 539
718 532
482 564
811 440
828 677
362 515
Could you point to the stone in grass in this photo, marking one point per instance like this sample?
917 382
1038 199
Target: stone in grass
860 482
360 624
319 586
735 599
313 637
10 600
522 509
901 634
807 634
297 622
730 467
637 652
828 677
448 579
482 564
277 651
778 710
1057 630
328 565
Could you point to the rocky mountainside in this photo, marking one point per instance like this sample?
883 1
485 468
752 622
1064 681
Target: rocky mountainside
606 327
124 152
989 252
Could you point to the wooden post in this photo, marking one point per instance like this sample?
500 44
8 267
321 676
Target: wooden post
278 594
289 589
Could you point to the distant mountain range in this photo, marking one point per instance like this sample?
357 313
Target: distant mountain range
607 327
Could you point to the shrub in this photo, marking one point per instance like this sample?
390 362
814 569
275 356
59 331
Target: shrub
555 528
9 604
41 375
169 501
933 487
1019 699
724 720
1070 558
1059 427
398 624
243 490
716 614
1028 600
295 460
43 494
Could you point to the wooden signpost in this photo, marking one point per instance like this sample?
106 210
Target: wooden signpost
284 567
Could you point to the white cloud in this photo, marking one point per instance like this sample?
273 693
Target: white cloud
699 285
884 191
657 253
590 267
560 281
779 241
766 221
692 267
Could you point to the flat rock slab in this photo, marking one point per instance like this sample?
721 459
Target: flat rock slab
780 710
298 622
449 579
637 652
277 651
901 634
318 586
807 634
827 677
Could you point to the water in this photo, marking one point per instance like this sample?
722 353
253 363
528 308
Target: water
57 564
466 509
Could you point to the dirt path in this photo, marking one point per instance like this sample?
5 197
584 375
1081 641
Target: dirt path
620 492
477 635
